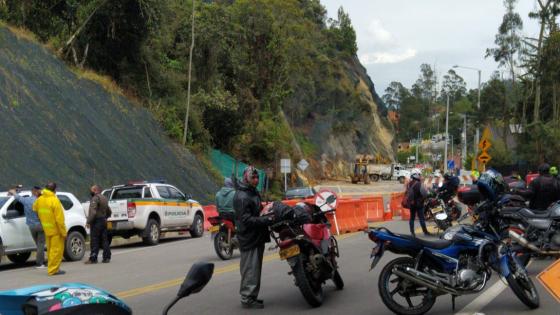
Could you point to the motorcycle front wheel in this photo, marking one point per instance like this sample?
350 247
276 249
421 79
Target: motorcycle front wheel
522 285
224 249
403 296
311 290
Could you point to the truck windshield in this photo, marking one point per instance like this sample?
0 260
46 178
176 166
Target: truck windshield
128 193
3 201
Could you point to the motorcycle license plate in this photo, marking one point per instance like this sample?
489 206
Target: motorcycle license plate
214 229
109 225
289 252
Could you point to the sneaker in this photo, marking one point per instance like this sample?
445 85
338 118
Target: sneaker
90 262
40 267
59 273
106 261
254 304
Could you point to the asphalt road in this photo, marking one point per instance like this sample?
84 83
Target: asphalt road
148 277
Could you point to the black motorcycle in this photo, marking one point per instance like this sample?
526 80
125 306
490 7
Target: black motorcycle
442 209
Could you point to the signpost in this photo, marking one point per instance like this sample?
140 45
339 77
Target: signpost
285 168
302 165
550 278
484 145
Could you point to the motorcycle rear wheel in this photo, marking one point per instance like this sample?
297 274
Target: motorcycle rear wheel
310 289
403 288
225 252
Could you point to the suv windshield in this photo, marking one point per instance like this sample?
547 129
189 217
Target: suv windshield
3 201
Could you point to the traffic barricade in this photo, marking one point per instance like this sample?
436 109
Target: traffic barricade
396 203
209 211
374 208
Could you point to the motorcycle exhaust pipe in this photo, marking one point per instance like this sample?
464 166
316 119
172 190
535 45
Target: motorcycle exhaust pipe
523 241
426 283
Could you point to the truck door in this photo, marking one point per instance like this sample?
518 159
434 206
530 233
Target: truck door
14 229
167 206
180 206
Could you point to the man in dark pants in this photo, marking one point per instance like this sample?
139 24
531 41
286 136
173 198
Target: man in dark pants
544 190
417 194
252 233
99 211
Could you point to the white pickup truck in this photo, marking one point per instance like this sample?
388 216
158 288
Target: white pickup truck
148 209
15 238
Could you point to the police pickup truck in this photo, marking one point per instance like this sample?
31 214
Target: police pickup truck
148 209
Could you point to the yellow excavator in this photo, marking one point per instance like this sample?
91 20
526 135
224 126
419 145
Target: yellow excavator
360 173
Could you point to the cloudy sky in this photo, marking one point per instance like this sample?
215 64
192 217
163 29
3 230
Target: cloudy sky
396 36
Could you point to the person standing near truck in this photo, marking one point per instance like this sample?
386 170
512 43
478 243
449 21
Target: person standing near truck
51 215
99 211
32 221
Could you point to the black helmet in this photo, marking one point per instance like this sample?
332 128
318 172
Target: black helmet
544 169
491 184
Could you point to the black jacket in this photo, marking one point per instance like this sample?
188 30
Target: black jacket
252 229
544 190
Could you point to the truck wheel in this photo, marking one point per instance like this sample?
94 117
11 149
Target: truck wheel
197 227
374 177
75 247
152 233
19 258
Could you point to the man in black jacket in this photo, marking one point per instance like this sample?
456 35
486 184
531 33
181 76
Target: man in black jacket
544 190
252 233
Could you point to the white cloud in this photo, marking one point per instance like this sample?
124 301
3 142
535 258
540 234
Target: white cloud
378 33
387 57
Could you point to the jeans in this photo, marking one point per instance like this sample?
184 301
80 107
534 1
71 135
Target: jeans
250 268
420 211
99 239
39 238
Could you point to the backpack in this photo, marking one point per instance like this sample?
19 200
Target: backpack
409 199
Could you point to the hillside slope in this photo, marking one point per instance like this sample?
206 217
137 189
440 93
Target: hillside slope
58 126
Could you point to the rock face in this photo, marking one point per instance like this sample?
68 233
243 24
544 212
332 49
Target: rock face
351 120
57 126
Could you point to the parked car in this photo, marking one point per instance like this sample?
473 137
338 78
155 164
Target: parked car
16 241
299 193
148 209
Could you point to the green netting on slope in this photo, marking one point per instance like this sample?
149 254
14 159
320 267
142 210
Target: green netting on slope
56 126
227 166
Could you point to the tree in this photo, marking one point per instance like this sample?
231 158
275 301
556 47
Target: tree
344 33
453 85
394 95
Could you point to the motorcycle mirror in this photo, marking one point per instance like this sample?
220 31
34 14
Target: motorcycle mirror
199 275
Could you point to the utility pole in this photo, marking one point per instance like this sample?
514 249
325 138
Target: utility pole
464 140
189 82
446 135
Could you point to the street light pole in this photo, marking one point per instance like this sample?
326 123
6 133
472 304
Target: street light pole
464 140
446 135
477 136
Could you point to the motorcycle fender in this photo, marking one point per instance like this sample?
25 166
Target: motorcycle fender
376 254
504 265
293 261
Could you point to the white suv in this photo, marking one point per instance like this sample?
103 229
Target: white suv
15 238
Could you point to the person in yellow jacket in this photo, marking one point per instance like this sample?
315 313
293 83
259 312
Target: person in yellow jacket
51 215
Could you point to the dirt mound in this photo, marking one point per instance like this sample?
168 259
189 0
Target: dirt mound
57 126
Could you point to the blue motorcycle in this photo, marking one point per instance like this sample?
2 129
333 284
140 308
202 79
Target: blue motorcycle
458 266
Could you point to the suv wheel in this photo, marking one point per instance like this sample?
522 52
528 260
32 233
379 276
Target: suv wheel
197 227
75 248
152 233
19 258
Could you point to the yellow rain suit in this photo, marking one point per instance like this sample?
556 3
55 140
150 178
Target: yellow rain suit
51 215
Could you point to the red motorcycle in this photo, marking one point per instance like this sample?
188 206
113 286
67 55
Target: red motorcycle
303 235
223 235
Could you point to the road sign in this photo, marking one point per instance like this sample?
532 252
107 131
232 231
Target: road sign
450 164
484 144
285 166
326 200
550 278
486 134
484 157
302 165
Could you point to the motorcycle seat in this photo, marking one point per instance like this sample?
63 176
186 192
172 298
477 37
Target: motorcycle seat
435 244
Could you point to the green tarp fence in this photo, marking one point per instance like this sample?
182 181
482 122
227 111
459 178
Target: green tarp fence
227 166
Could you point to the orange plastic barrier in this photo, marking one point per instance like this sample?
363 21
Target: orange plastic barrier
209 211
351 216
374 208
395 203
